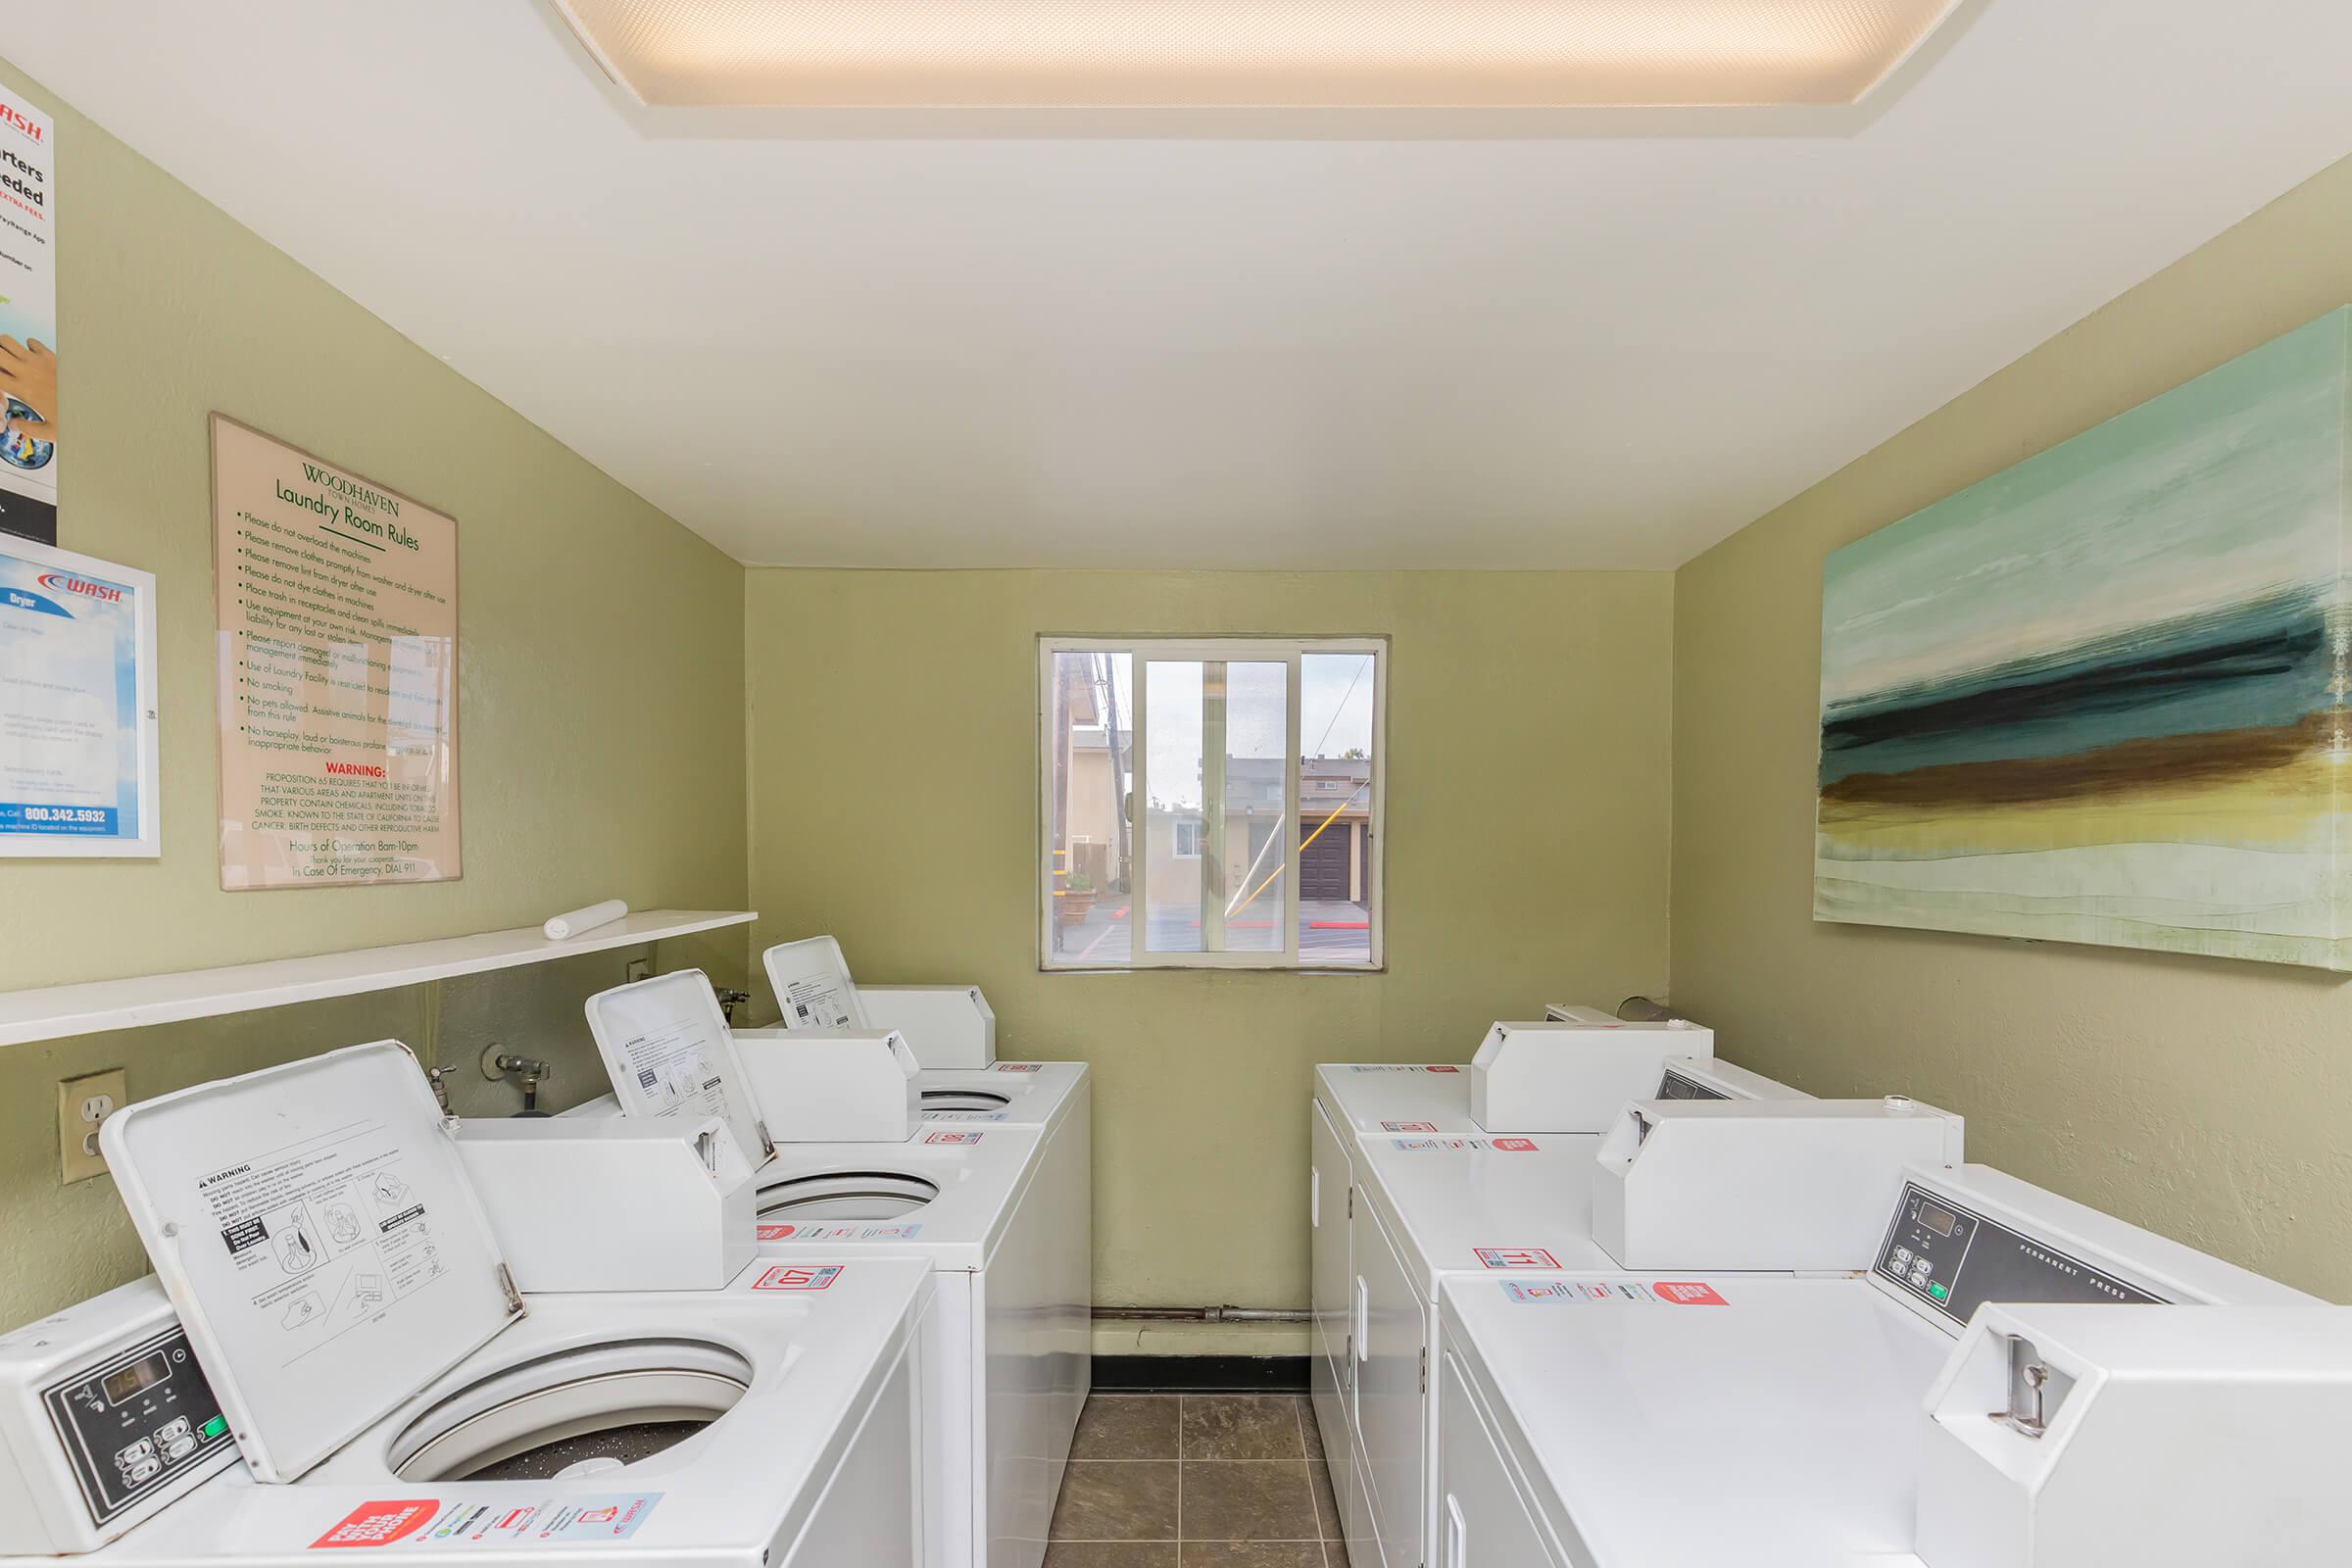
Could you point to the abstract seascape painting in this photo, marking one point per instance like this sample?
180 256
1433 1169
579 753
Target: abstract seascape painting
2100 696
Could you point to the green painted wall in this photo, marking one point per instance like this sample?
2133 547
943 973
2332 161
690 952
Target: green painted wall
2202 1097
602 678
1527 854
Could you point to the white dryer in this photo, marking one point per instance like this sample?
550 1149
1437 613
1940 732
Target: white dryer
1445 1188
1605 1419
1387 1099
1390 1099
319 1238
1425 1208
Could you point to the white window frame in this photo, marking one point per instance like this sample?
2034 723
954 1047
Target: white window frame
1286 650
1177 850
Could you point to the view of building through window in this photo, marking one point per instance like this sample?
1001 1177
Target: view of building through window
1224 813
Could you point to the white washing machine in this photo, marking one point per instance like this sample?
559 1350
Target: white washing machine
1605 1419
1445 1188
319 1241
1002 1213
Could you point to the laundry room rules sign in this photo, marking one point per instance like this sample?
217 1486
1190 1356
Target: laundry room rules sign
338 672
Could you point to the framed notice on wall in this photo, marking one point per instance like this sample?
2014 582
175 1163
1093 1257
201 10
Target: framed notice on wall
338 672
77 726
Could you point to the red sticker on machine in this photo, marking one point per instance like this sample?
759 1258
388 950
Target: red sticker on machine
1441 1069
799 1277
1515 1145
1515 1257
1688 1293
1020 1066
952 1138
1410 1126
379 1524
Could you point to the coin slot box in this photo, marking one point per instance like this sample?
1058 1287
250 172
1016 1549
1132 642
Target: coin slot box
629 1203
843 1086
1759 1184
1573 1076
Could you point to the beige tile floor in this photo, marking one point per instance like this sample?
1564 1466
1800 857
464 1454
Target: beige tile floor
1197 1480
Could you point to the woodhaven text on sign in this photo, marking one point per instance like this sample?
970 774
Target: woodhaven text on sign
338 663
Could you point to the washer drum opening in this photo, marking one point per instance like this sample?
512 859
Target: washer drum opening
572 1413
964 1100
846 1195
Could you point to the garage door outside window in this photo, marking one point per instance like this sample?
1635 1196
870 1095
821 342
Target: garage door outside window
1210 803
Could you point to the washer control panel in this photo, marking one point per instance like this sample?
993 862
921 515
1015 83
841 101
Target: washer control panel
1952 1260
135 1421
1674 1086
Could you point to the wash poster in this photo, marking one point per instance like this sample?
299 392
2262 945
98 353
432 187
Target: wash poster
30 420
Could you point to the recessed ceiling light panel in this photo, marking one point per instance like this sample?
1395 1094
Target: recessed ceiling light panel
1229 53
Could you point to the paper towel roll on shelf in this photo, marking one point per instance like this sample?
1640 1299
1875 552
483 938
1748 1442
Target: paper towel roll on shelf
572 922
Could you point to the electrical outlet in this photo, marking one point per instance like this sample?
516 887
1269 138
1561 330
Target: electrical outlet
81 1104
640 969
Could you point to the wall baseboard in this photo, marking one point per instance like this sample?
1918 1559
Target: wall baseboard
1200 1374
1148 1339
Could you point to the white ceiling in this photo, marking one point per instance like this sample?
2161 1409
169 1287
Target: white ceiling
1609 347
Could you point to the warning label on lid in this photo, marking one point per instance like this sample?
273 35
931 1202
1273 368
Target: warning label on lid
799 1277
1555 1293
1515 1257
1613 1292
1689 1293
960 1139
1424 1146
839 1233
323 1236
515 1518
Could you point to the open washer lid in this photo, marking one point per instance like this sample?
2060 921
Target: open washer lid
813 985
315 1228
668 1051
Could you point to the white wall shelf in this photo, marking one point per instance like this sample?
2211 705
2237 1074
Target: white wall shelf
52 1012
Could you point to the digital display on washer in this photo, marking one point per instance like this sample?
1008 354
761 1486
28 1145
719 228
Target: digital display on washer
1674 1086
1955 1261
144 1373
134 1421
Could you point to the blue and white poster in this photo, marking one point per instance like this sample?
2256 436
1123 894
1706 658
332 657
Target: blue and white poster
77 721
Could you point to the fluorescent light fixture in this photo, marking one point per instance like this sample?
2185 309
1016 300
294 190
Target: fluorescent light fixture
1227 54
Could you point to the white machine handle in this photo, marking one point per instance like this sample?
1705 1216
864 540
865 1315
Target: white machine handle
1315 1197
1363 1319
1457 1535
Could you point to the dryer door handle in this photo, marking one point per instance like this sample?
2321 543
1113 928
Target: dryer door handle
1363 1319
1458 1535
